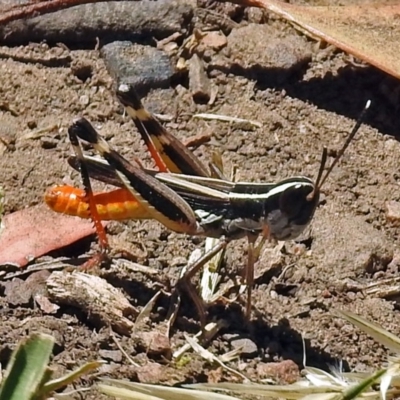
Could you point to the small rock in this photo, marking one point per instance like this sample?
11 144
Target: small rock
155 344
303 312
19 292
256 15
144 67
178 261
394 265
46 305
151 373
84 100
16 294
254 50
345 250
215 375
215 40
111 355
32 124
283 372
351 296
233 11
247 346
109 369
393 212
199 83
48 142
270 259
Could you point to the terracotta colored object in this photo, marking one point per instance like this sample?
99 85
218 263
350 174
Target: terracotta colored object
35 231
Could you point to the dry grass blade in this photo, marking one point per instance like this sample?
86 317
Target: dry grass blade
207 355
380 334
295 391
311 389
226 118
122 393
145 313
210 276
137 391
391 378
210 331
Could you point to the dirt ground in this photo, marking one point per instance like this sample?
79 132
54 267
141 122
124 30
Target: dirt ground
304 97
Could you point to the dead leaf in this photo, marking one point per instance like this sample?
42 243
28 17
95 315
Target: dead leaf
370 32
35 231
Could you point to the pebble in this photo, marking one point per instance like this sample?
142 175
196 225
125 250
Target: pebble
20 292
284 372
254 49
48 142
393 212
111 355
155 344
151 373
247 347
345 250
200 85
144 67
215 40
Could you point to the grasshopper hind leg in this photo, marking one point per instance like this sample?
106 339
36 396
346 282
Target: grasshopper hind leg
94 215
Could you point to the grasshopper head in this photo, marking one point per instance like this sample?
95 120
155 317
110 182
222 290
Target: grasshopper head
292 209
291 203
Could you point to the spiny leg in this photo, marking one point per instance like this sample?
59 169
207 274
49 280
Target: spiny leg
184 282
94 215
265 237
249 272
161 202
167 151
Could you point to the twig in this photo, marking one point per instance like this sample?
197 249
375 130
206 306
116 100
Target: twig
45 7
226 118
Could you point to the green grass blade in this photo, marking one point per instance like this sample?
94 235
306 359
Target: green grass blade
27 368
355 390
65 380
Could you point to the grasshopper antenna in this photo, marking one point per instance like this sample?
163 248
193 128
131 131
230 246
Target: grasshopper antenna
322 178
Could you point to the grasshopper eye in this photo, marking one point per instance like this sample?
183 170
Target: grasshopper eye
296 204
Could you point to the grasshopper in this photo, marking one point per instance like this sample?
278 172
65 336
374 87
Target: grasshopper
183 195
